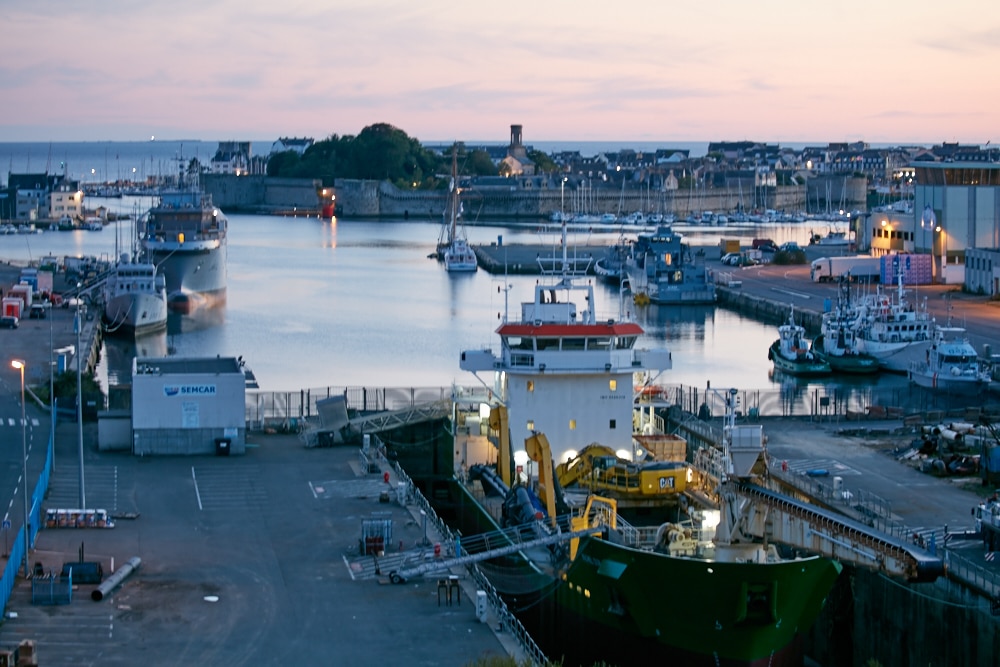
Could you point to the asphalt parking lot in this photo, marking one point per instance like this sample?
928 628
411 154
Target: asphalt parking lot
243 562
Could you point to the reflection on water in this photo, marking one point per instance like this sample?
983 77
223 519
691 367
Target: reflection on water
357 303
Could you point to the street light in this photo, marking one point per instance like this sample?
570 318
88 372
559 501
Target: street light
562 199
52 389
944 250
77 326
19 364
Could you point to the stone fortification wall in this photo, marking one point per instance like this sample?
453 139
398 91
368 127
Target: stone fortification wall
361 198
262 193
357 198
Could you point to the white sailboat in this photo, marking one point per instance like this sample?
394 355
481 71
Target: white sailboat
455 250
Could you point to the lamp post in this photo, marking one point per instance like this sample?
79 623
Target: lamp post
77 326
52 389
562 199
19 364
944 250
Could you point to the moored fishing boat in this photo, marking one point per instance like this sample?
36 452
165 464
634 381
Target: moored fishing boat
950 365
791 352
891 329
837 344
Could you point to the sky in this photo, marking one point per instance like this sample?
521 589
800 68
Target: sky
566 70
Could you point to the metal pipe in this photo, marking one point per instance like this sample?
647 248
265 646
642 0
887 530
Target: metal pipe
118 577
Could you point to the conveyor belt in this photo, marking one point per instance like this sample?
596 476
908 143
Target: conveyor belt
822 531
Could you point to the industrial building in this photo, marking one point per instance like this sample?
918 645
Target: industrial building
183 406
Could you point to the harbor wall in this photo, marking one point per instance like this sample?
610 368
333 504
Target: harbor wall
869 616
263 194
767 310
521 199
358 198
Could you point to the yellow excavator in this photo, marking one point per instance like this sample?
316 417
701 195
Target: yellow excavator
598 469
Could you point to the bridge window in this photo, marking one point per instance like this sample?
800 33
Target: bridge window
531 385
625 342
602 343
547 343
572 424
613 385
573 343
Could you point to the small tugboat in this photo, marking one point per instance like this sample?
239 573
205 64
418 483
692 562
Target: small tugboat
950 365
791 353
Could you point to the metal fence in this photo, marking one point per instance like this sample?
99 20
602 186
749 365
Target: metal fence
291 410
508 622
833 402
17 551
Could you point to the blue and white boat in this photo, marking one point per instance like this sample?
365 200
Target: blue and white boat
662 269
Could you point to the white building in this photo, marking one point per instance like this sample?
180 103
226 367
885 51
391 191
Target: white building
188 406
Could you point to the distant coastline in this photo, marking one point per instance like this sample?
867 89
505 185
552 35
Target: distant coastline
105 161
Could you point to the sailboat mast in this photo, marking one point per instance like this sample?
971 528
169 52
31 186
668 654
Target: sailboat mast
454 194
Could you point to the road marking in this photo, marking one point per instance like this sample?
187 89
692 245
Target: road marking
196 492
311 488
801 295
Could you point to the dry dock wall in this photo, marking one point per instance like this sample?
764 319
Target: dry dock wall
871 617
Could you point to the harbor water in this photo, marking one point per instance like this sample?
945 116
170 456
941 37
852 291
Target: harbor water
314 303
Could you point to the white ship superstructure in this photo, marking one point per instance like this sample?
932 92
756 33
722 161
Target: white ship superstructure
564 371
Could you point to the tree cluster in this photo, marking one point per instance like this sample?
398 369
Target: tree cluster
379 152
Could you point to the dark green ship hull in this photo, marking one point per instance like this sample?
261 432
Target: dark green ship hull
626 606
630 607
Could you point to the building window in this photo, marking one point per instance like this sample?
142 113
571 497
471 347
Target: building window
572 424
613 424
613 385
531 385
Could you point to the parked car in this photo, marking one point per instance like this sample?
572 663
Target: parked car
739 259
37 312
8 322
765 245
790 246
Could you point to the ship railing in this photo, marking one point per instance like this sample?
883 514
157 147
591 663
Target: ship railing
412 495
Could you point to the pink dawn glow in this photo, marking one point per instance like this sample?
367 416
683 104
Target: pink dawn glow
767 70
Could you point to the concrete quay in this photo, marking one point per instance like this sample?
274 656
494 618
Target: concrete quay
244 561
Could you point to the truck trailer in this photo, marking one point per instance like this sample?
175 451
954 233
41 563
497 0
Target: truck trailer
861 268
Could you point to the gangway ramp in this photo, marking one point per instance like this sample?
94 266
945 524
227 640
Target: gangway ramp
811 528
376 423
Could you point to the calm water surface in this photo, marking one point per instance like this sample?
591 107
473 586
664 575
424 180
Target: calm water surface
315 303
